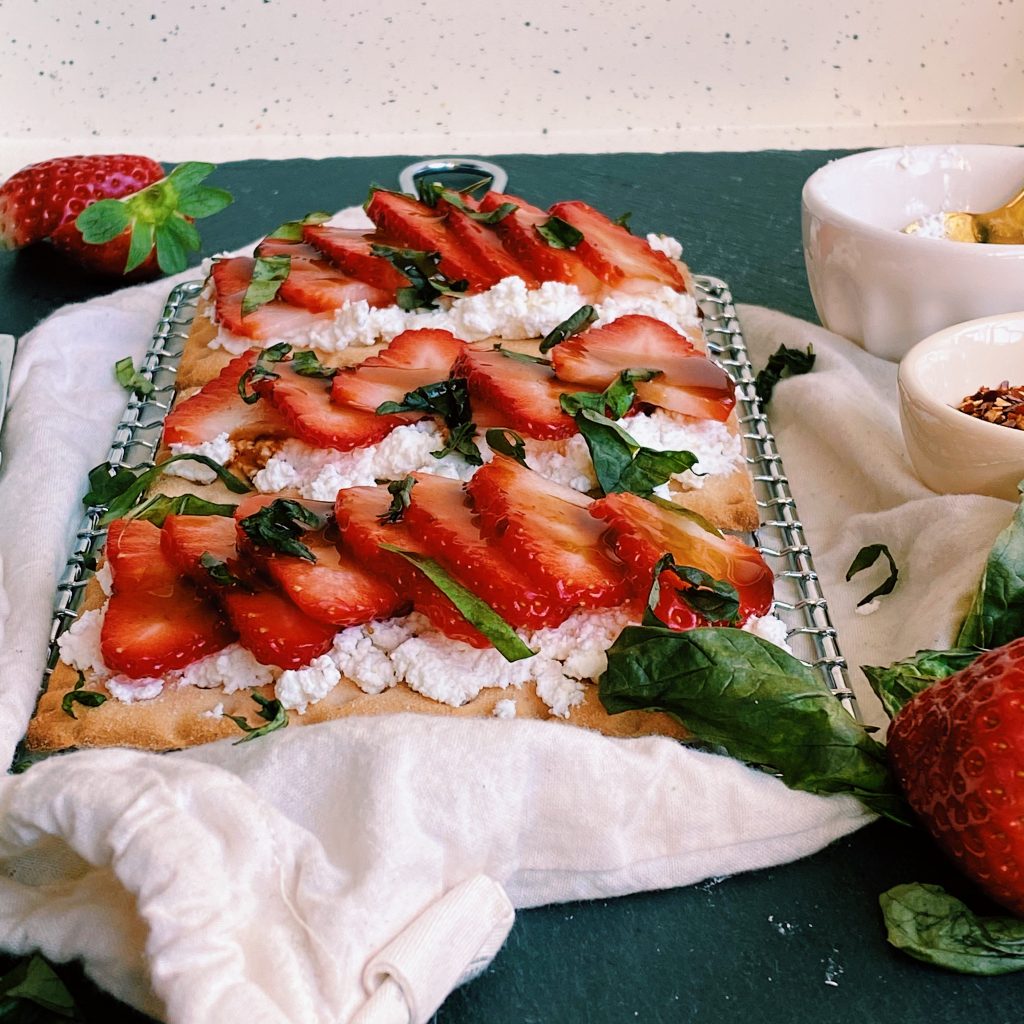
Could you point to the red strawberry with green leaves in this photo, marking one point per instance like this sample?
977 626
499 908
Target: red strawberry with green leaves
114 215
955 749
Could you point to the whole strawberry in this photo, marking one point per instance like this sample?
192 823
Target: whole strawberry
115 215
957 750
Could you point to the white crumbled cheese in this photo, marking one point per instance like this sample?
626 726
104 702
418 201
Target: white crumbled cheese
505 709
580 643
560 692
868 609
80 645
105 578
217 711
677 309
770 628
319 473
670 246
220 449
131 691
233 668
298 688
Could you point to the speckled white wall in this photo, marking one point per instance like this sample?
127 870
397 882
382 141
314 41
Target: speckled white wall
318 77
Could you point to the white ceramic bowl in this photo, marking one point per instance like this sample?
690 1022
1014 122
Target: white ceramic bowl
886 290
951 451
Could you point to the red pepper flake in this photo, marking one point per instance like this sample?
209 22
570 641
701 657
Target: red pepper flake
1001 405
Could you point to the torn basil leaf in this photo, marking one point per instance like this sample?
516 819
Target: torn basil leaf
131 379
930 925
279 525
260 371
218 571
291 230
401 495
521 357
782 361
507 442
119 489
306 364
438 191
579 321
717 601
996 615
559 234
268 274
157 508
449 399
864 559
896 684
734 690
33 980
616 399
460 442
623 220
478 613
76 695
273 714
426 282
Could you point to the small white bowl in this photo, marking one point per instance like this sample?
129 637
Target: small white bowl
954 453
886 290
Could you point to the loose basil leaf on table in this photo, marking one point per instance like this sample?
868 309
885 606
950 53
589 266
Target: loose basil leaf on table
33 980
783 360
736 691
864 559
896 684
930 925
131 379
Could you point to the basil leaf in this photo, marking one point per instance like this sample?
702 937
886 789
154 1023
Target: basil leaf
559 234
507 442
623 219
899 682
271 711
717 601
291 230
140 246
33 980
76 695
157 508
401 495
579 321
930 925
218 571
120 490
268 274
103 221
131 379
620 463
426 282
279 525
737 691
616 399
307 364
448 398
997 613
259 371
783 360
460 442
521 357
864 559
495 216
506 640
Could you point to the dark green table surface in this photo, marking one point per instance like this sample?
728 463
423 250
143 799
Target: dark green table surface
803 942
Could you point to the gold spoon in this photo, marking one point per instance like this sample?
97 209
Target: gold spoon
1004 225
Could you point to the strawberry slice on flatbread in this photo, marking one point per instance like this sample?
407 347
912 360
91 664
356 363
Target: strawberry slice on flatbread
486 245
641 531
440 518
688 382
217 408
156 622
185 539
547 529
353 252
621 260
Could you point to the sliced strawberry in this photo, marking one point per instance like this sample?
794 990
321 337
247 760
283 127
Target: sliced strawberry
641 532
486 245
414 225
285 247
618 258
231 279
547 529
439 516
155 622
352 251
184 539
412 360
689 383
357 510
305 403
518 232
526 395
273 629
218 409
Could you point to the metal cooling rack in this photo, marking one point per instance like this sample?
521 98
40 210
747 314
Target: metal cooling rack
780 538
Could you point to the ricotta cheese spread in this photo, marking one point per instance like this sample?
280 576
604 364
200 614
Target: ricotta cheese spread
220 449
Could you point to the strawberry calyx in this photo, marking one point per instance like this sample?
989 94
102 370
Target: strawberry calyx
160 214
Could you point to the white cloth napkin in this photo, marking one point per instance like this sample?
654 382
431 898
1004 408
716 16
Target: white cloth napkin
359 870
